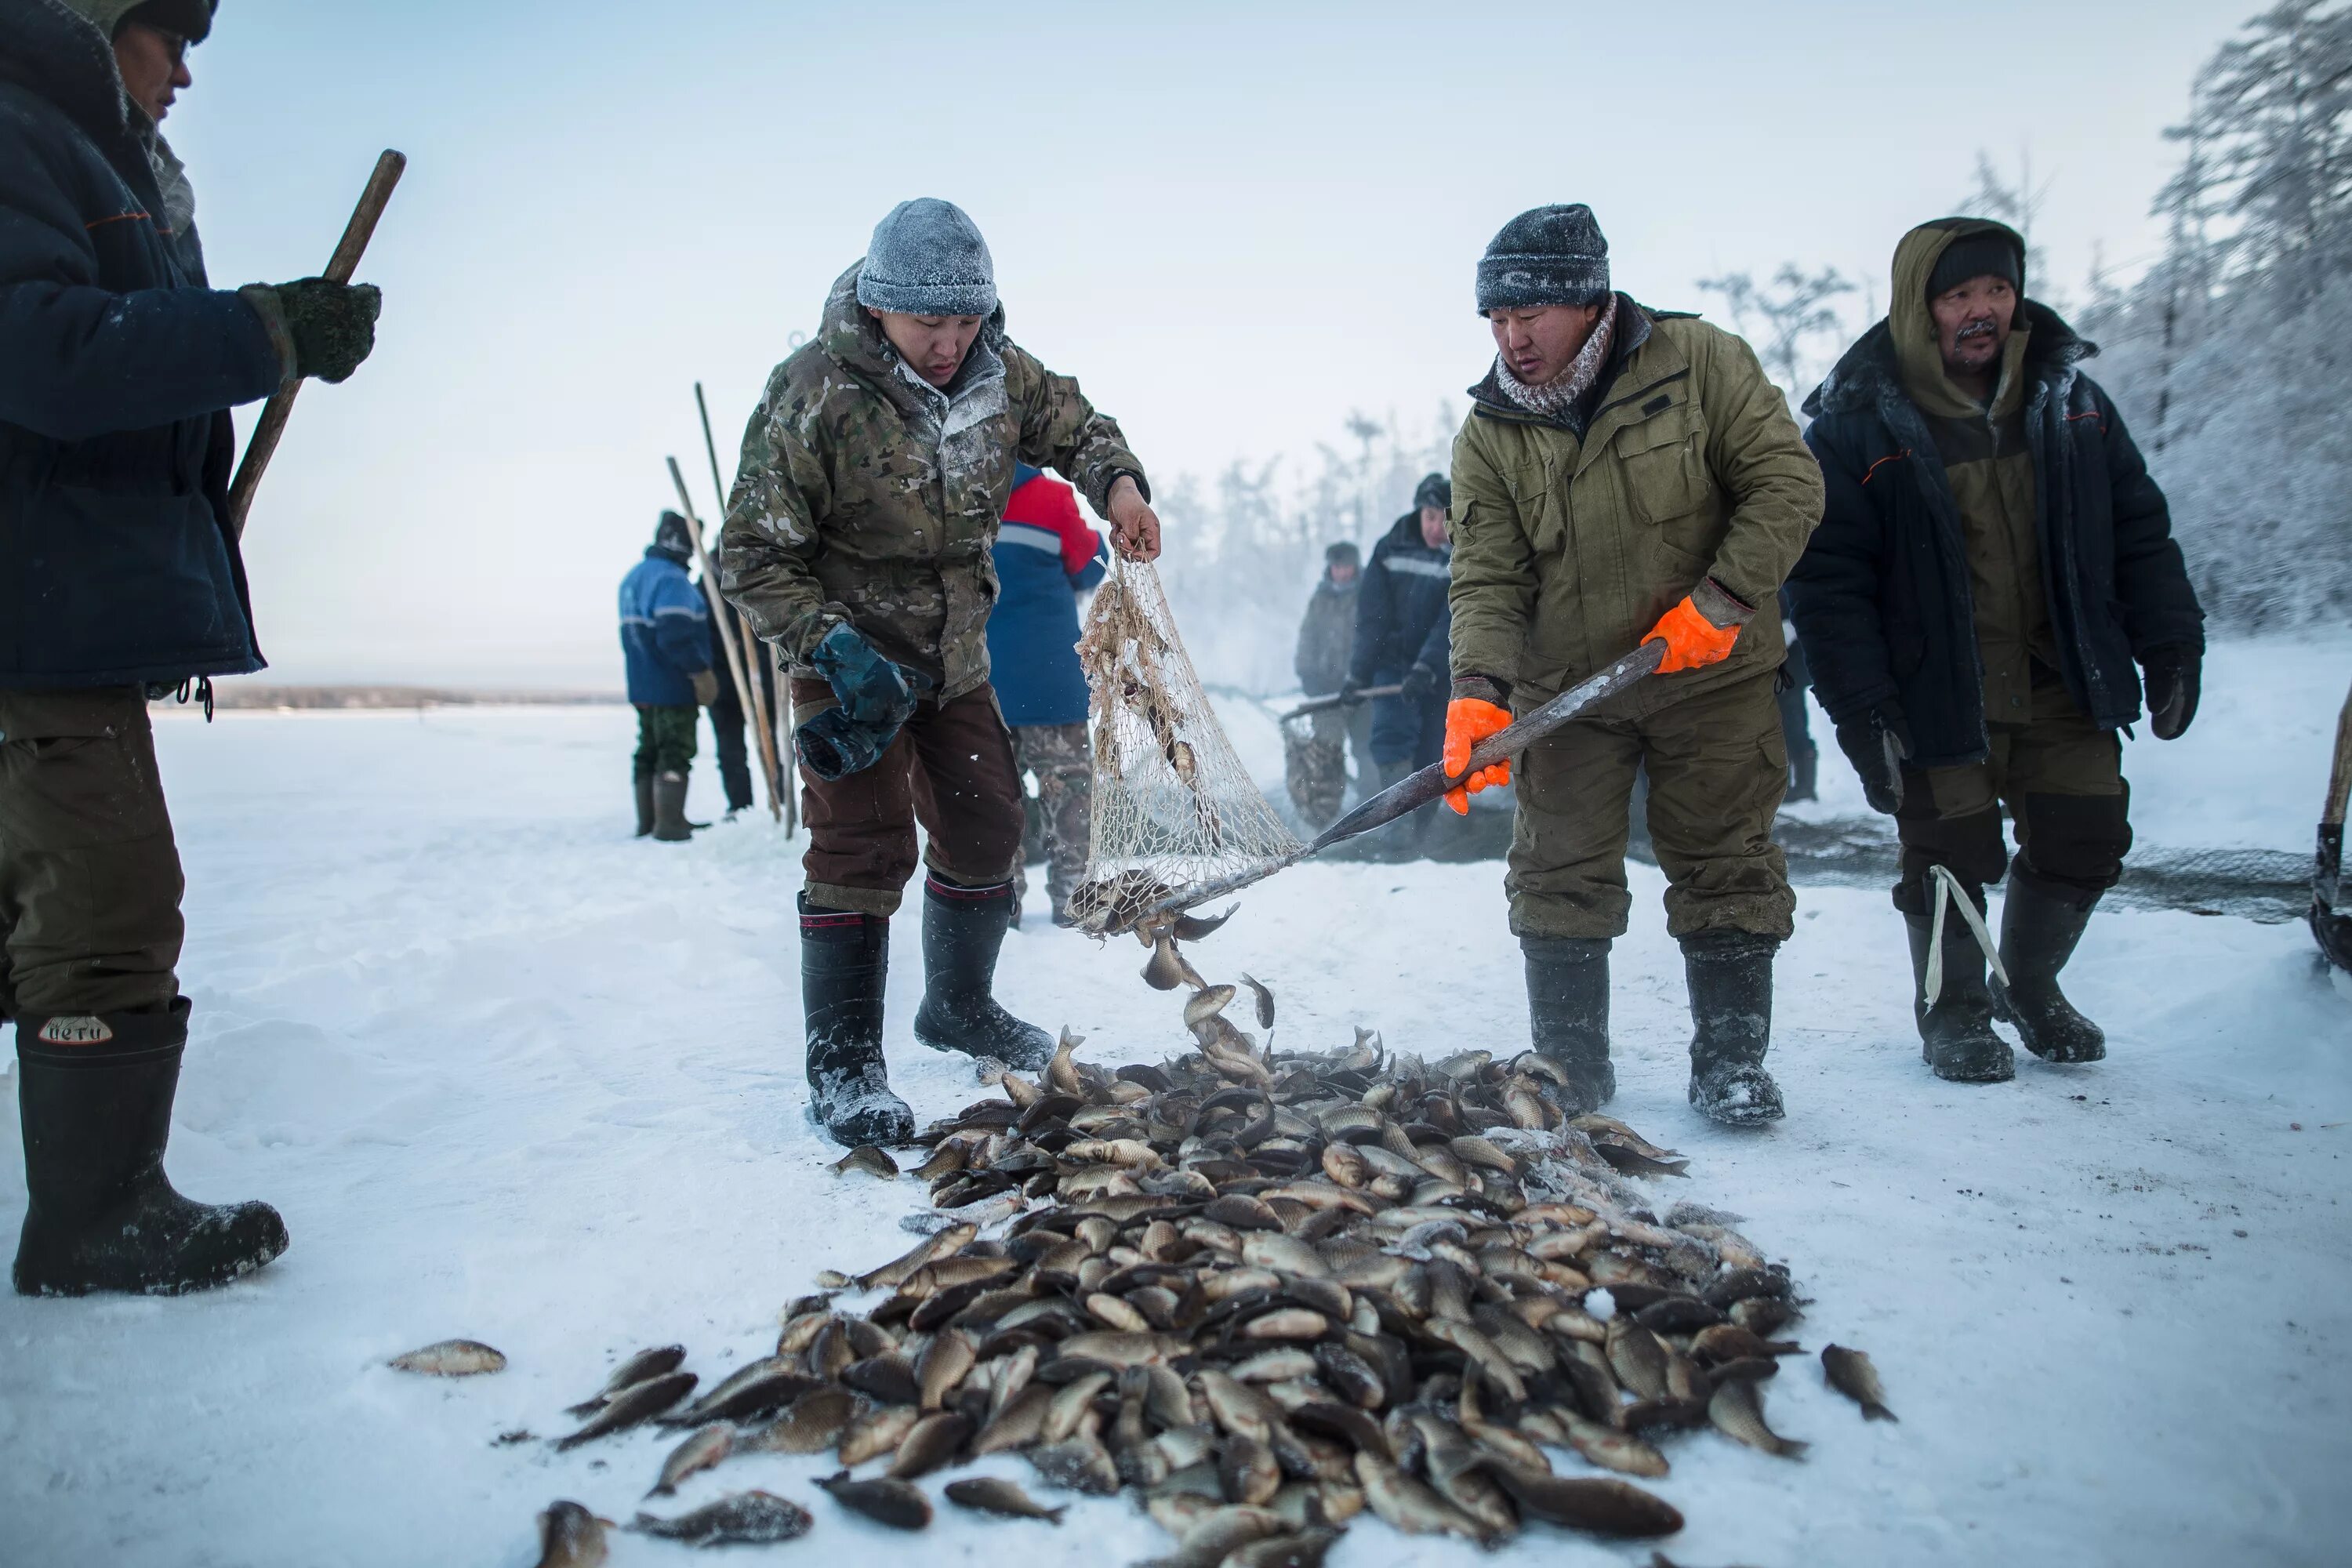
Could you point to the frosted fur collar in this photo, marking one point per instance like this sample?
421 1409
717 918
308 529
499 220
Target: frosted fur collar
1556 398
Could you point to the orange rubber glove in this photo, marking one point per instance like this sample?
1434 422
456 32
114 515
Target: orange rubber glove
1692 640
1468 721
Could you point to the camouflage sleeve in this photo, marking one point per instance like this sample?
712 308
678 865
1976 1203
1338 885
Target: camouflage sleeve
772 530
1764 464
1491 596
1060 430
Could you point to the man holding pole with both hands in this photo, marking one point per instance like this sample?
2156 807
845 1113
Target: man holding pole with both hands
875 471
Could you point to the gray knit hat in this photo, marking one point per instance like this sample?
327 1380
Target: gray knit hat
1546 256
928 259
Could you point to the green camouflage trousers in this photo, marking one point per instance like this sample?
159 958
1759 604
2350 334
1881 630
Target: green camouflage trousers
666 737
1058 755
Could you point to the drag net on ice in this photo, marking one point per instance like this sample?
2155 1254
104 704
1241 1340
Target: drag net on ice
1176 817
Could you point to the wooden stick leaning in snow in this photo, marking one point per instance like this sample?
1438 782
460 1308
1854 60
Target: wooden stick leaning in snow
735 666
769 758
340 267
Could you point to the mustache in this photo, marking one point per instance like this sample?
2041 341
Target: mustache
1974 329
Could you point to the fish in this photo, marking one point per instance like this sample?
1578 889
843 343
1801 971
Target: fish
699 1452
1610 1449
451 1358
931 1442
1164 969
943 1243
1193 928
877 1433
945 1363
888 1378
1080 1463
1248 1469
868 1158
1408 1505
1636 1358
1070 1405
643 1365
752 1389
570 1537
753 1517
1600 1504
1737 1412
901 1504
1300 1548
990 1494
813 1424
1207 1004
1265 998
1017 1424
637 1403
1851 1374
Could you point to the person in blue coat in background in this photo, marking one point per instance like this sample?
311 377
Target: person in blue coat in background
1046 557
1403 633
666 639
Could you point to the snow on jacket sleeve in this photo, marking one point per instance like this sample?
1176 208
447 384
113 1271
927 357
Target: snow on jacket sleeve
1060 430
770 537
1834 587
1762 462
77 360
2160 604
1491 598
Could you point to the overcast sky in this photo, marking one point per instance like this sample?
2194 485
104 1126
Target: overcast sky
1235 224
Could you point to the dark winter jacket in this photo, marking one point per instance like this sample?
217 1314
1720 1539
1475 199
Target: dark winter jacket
1402 618
1046 557
1883 594
763 669
665 631
1327 637
118 365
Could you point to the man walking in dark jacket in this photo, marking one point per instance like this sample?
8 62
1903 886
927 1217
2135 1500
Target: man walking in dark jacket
666 639
1402 626
1046 557
729 732
1994 572
1316 762
120 580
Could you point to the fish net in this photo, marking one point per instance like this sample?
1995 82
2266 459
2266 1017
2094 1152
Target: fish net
1177 817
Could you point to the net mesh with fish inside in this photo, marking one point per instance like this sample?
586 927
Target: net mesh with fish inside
1176 816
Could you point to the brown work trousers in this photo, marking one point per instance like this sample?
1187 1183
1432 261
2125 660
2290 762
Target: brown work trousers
89 876
1717 768
950 769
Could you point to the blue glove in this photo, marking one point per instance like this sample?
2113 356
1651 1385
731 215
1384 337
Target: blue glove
872 692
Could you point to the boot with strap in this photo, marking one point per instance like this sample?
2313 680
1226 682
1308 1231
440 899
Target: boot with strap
2041 921
844 970
1731 977
1956 1035
95 1094
1568 1015
963 928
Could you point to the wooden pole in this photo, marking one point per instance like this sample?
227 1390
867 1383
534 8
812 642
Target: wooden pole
769 752
340 267
744 689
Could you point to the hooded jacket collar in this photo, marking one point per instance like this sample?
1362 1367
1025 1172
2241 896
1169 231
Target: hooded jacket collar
1868 372
64 57
853 338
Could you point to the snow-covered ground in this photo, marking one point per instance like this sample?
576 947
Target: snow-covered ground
513 1076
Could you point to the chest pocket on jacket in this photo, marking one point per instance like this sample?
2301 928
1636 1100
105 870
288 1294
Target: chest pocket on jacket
1664 469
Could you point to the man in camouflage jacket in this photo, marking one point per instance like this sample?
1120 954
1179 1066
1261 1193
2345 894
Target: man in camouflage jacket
858 540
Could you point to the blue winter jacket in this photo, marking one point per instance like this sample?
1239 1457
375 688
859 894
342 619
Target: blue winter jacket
1045 555
1402 615
665 631
118 367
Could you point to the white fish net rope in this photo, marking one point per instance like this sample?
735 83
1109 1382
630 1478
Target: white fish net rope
1174 809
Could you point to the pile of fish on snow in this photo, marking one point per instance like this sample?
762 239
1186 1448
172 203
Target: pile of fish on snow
1266 1293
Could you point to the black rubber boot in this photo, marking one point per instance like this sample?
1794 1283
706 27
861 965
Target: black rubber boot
1731 977
1568 1015
962 930
844 969
2040 925
645 787
95 1094
1956 1035
670 825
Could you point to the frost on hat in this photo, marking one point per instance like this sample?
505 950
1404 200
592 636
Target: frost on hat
1546 256
927 258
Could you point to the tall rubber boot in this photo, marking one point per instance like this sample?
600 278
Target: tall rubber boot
1731 977
1804 775
962 930
670 825
844 969
645 787
1956 1035
2039 924
1568 1015
95 1094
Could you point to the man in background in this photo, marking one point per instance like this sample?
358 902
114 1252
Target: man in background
1326 634
1796 722
665 638
1046 557
120 580
1402 625
728 732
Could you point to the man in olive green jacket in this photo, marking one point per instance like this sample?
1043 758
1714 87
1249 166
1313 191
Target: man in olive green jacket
1628 475
858 540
